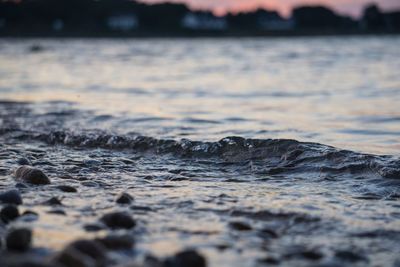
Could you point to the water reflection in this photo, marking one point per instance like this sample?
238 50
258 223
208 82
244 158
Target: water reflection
272 85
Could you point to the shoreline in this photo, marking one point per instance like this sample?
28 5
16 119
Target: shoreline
147 35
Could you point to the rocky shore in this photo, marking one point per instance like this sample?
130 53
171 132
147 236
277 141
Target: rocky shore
18 249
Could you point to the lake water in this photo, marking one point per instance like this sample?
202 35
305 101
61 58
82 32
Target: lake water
337 91
298 138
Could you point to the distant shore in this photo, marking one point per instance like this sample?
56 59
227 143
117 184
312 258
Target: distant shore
205 34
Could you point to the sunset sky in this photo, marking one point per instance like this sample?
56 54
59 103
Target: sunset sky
351 7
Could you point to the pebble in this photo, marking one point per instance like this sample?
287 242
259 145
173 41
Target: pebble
117 242
57 212
21 186
90 184
36 48
95 250
185 259
52 202
19 239
349 256
67 188
240 226
11 197
9 213
269 261
124 198
312 255
31 175
71 257
24 161
268 233
93 227
29 216
118 220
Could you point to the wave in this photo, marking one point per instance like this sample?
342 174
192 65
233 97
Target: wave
263 156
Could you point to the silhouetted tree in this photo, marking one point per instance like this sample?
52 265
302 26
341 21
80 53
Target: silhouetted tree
373 19
320 17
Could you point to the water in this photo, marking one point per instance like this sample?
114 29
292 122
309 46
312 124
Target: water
196 130
337 91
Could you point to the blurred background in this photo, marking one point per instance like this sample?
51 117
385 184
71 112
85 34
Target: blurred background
195 18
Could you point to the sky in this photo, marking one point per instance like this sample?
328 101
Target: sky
349 7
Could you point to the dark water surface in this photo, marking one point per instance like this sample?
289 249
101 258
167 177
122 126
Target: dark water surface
251 151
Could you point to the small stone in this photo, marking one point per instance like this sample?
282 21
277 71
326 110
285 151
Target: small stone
90 184
31 175
11 197
36 48
222 247
95 250
269 260
29 216
24 161
185 259
349 256
152 261
9 213
52 202
309 254
71 257
57 212
30 213
117 242
21 186
67 188
93 227
312 255
268 233
19 239
240 226
124 198
118 220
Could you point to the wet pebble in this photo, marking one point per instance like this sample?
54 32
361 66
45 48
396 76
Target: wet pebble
67 188
118 220
124 198
9 213
57 212
304 253
312 255
240 226
21 186
24 161
269 261
117 242
95 251
19 239
31 175
71 257
11 197
185 259
36 48
268 233
349 256
52 202
29 216
93 227
90 184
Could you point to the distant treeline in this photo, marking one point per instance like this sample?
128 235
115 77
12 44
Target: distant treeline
130 18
